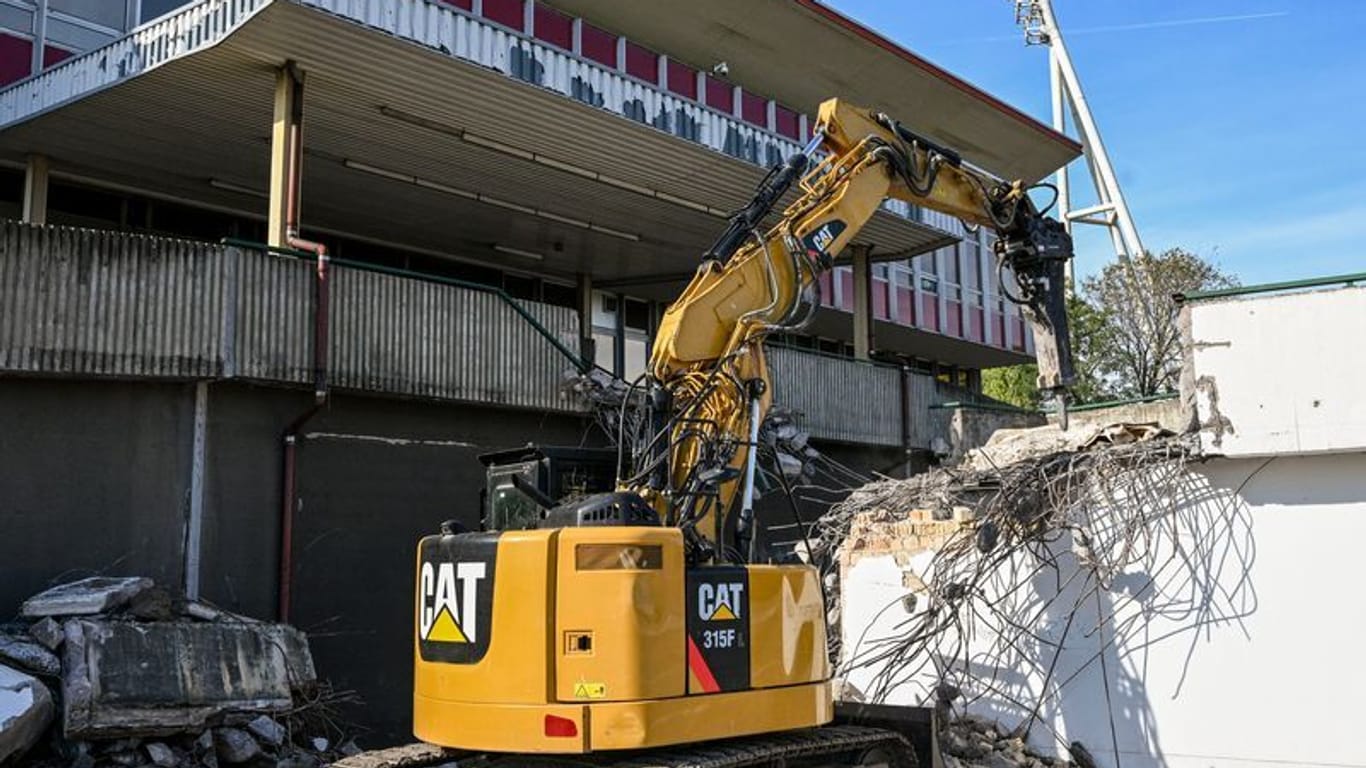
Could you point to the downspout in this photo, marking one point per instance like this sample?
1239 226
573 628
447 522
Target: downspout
321 341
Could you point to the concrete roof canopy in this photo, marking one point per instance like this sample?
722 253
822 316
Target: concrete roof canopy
430 129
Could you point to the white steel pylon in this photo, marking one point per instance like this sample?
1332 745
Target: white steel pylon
1041 28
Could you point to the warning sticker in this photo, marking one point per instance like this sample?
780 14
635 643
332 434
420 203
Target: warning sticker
590 691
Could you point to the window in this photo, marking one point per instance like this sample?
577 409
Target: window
106 13
152 9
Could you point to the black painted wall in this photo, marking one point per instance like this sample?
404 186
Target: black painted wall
95 478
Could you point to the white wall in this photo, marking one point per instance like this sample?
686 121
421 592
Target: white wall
1278 375
1253 653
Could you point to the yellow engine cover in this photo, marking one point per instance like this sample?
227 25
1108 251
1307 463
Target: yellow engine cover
579 639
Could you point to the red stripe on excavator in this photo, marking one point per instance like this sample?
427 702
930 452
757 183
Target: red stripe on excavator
699 667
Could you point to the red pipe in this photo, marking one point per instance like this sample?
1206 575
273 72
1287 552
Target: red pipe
321 341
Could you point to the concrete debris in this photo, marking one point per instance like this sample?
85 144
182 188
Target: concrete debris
161 755
124 678
268 731
87 597
1012 446
975 741
29 656
235 746
47 632
25 711
212 689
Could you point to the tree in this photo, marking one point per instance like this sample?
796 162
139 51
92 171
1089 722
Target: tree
1126 336
1013 384
1135 344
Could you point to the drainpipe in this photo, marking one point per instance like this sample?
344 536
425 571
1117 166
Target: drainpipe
321 340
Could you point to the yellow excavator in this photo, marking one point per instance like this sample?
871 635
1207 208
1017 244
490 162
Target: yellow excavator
643 626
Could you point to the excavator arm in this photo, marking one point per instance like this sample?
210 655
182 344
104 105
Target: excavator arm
709 381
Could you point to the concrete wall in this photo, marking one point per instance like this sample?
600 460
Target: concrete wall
1250 657
1275 375
95 478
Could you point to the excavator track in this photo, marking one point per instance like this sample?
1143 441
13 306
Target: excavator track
838 745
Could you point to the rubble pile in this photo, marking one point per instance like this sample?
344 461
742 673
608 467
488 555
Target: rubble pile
118 672
971 741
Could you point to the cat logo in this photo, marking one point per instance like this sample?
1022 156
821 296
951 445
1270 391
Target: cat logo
720 602
822 238
449 614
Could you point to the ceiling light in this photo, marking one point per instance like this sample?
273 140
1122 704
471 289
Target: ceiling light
228 186
488 199
518 252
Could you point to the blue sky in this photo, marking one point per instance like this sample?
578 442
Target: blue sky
1237 127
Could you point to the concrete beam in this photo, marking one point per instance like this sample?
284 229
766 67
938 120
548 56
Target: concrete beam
35 190
863 301
288 94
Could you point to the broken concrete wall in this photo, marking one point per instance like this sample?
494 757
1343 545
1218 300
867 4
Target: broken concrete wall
110 463
1277 375
124 678
971 427
1239 649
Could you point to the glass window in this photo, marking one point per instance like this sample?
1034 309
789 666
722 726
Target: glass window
151 9
605 348
952 272
637 315
106 13
635 357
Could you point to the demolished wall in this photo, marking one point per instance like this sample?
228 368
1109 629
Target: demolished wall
1177 600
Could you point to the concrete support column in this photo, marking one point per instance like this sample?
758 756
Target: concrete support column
585 290
863 301
289 93
35 190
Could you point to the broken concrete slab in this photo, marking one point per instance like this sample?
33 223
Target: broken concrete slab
86 597
267 731
26 709
235 746
29 656
48 633
137 679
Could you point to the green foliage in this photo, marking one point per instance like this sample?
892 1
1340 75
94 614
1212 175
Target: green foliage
1126 336
1131 336
1013 384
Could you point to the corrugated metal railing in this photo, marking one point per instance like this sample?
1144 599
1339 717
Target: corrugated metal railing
468 37
151 45
91 303
859 402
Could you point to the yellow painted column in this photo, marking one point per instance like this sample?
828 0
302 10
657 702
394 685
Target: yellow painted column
288 92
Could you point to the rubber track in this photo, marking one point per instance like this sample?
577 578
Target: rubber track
766 750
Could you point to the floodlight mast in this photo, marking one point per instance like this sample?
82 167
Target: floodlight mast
1040 27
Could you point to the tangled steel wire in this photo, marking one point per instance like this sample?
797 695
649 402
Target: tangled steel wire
1067 556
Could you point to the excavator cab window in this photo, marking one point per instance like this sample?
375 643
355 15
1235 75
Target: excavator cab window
521 484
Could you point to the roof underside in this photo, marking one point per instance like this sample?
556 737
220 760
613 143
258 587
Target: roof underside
801 53
207 116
